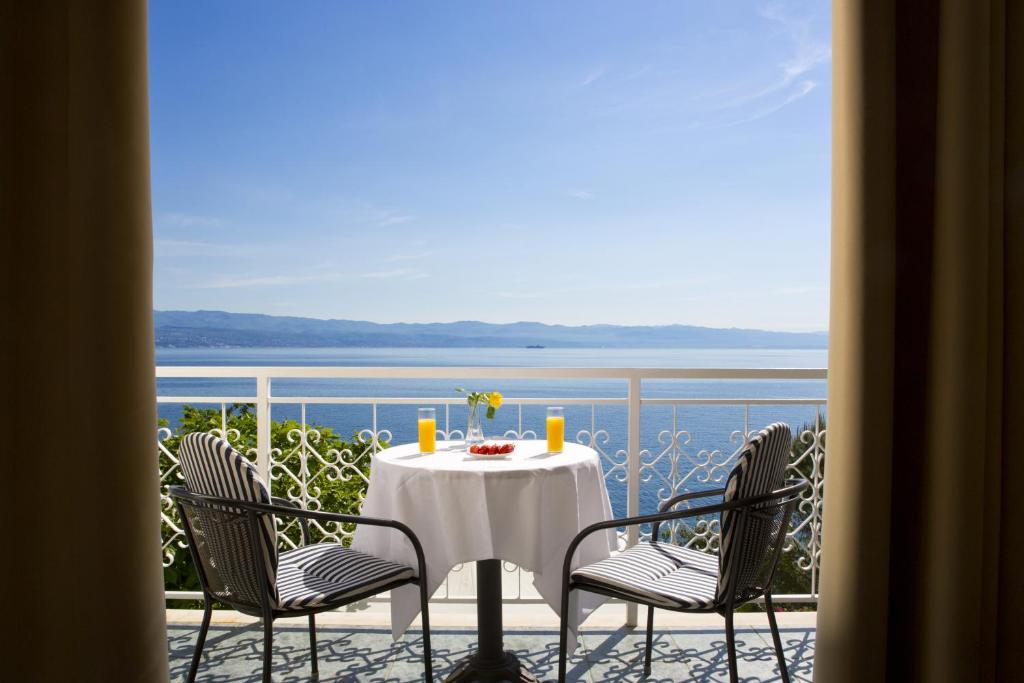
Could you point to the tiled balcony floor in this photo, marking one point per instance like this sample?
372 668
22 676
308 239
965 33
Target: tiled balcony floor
233 653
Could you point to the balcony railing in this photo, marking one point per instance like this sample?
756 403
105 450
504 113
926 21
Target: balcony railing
658 432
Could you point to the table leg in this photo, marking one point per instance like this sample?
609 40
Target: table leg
491 663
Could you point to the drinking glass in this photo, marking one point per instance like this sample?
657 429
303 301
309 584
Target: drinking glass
556 430
428 430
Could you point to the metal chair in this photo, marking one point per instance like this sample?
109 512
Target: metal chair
228 517
755 513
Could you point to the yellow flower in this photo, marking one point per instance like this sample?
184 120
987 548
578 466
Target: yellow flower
495 399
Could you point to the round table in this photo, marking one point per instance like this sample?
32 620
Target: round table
524 508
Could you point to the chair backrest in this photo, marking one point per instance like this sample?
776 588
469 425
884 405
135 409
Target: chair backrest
750 535
225 541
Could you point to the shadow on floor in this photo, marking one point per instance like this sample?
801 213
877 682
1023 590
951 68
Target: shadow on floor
234 654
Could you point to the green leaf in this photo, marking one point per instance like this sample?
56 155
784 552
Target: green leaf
490 412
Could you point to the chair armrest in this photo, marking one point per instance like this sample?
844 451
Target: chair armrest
676 500
303 515
303 522
634 521
789 490
290 510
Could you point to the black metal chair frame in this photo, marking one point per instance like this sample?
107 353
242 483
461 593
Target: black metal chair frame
789 496
267 612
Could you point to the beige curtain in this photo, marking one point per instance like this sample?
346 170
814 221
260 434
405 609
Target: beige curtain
82 578
924 503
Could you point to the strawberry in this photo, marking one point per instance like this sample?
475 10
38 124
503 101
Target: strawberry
507 448
474 449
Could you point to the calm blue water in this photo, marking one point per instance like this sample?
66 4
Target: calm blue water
705 427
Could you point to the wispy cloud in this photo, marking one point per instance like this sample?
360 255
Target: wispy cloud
593 77
409 256
579 193
590 288
319 276
187 220
351 211
393 218
797 290
403 273
802 89
808 52
184 245
264 281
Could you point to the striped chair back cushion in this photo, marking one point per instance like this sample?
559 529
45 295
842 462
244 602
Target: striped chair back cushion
213 468
760 469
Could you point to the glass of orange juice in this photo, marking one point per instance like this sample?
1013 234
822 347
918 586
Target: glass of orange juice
428 430
556 430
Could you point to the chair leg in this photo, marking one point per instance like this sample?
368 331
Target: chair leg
428 669
650 640
312 647
563 635
730 640
197 655
268 648
783 672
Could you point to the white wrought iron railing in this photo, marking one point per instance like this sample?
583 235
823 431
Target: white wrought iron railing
680 435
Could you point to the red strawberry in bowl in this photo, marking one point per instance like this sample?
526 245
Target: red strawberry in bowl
492 448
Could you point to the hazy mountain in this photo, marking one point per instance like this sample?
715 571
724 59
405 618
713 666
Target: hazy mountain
220 329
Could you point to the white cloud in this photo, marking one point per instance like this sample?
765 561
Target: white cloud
391 218
802 89
321 274
187 220
404 273
593 76
579 193
808 52
582 289
184 245
409 256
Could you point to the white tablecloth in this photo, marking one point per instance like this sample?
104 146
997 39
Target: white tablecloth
524 509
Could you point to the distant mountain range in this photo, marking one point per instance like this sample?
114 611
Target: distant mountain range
222 329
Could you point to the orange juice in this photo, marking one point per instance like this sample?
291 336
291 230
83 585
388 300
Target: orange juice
556 433
428 435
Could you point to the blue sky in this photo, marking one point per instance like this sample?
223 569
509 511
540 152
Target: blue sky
566 162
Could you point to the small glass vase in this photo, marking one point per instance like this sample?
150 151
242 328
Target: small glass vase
474 430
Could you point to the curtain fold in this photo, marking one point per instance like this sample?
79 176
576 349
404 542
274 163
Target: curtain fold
923 526
82 573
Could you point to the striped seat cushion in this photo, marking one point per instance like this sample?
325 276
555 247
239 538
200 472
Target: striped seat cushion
327 572
660 573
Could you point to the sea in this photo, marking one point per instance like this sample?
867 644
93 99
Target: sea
677 442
